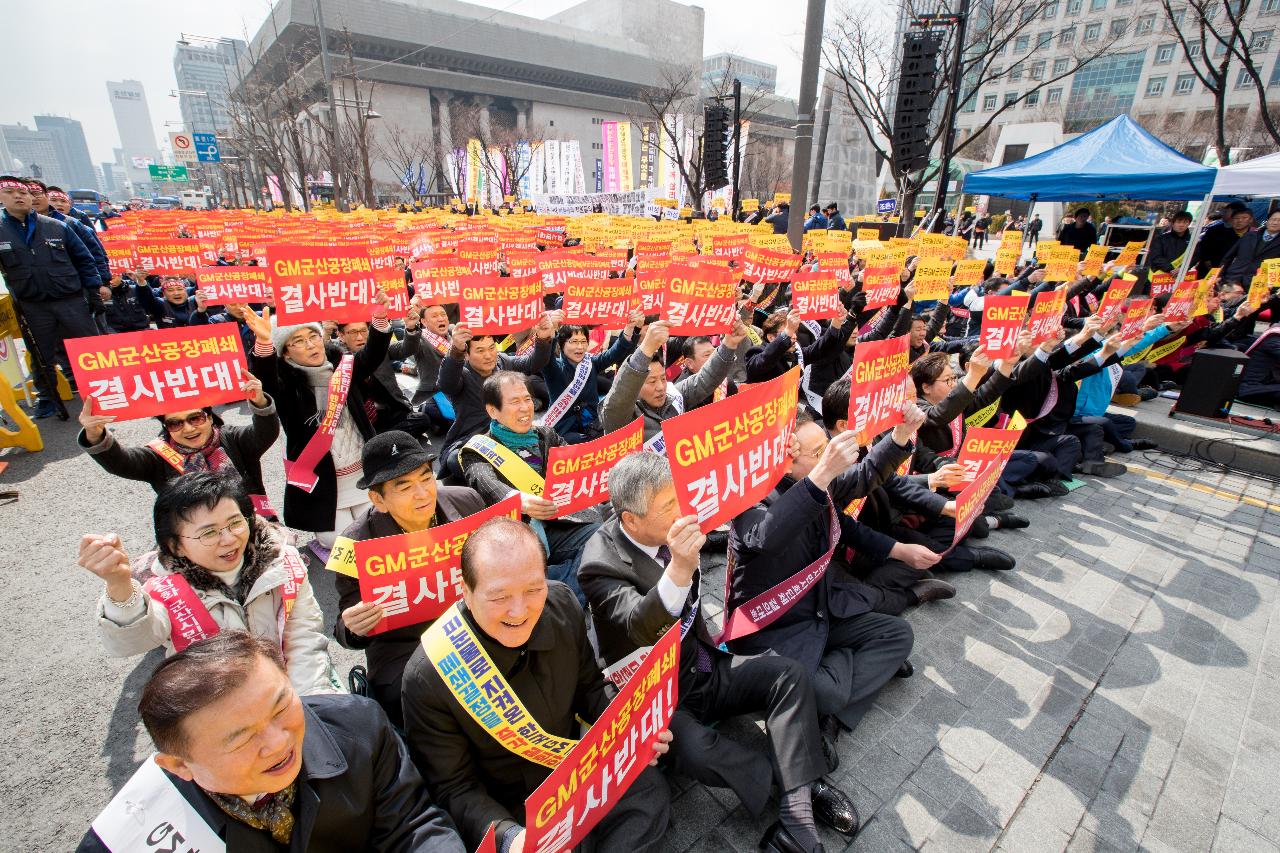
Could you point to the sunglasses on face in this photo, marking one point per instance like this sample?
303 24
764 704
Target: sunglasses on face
196 419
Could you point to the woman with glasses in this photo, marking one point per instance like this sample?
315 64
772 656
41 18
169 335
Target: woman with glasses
190 440
217 567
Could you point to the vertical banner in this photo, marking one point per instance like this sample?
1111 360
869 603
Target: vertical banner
534 184
575 162
601 767
670 172
879 377
551 161
474 170
609 144
626 182
727 455
1001 321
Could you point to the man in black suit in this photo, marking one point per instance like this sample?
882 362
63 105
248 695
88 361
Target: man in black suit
640 574
832 629
534 633
405 498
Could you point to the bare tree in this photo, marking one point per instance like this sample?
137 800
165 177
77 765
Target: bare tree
406 152
506 150
766 168
1003 41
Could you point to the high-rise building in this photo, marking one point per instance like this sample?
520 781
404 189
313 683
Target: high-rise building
210 69
719 70
68 138
137 133
34 153
844 161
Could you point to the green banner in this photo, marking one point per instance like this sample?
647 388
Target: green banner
171 174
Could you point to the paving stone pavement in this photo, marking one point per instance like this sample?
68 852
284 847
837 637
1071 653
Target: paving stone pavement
1119 691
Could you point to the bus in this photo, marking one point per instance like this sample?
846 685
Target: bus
87 201
165 202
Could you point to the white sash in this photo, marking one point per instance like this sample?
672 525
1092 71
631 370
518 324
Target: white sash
565 401
150 814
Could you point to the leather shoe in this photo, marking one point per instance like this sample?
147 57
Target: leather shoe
829 726
1057 488
1033 491
776 839
834 808
1009 521
998 502
932 590
1142 444
906 669
991 558
1103 469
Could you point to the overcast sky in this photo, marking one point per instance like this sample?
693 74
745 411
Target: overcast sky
100 40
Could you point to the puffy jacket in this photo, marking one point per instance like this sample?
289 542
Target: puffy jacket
90 240
1242 260
306 647
126 312
622 404
1096 391
43 260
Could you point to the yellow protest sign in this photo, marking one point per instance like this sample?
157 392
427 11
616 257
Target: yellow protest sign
933 279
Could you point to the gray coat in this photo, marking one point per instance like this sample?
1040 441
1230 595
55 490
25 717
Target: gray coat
622 405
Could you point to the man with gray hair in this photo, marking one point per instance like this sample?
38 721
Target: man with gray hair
640 574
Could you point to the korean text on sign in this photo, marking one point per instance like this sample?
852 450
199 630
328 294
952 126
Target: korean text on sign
982 445
490 305
1046 315
578 474
973 497
321 283
727 455
141 374
416 576
606 761
1001 321
879 368
815 296
221 285
607 303
700 300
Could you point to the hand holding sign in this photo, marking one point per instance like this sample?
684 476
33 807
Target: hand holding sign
685 540
841 453
913 417
252 388
362 617
95 425
259 325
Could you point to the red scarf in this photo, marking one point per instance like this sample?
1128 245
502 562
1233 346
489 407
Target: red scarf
211 457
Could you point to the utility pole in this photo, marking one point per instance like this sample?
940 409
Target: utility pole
813 23
338 203
960 21
737 147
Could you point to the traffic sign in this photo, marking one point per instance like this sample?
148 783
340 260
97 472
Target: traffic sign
171 174
886 205
206 145
184 147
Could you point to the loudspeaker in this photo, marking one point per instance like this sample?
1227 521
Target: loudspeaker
1211 383
917 89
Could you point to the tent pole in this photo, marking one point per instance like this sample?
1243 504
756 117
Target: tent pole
1026 242
1196 226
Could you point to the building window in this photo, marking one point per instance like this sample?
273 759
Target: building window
1261 41
1010 98
1155 87
1146 24
1074 7
1051 10
1037 70
1269 7
1102 89
1193 50
1275 74
1174 21
1022 44
1118 26
1067 37
1033 98
1091 32
1097 5
1060 65
988 103
1015 72
996 72
1044 40
1124 3
1243 80
1164 54
1052 96
1184 85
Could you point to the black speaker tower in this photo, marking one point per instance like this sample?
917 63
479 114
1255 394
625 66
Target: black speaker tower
917 88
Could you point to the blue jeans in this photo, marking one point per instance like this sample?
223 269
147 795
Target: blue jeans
565 541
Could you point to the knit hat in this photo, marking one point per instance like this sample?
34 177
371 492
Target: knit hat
280 334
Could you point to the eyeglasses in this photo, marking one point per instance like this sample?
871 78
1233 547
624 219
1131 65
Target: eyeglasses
209 538
947 380
194 419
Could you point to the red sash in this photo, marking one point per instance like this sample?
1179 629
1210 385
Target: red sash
761 611
189 619
261 503
1274 330
301 472
295 574
438 343
957 432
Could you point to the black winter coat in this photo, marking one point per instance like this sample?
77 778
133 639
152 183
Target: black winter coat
1242 260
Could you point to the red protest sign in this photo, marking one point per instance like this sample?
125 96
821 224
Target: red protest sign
1183 301
1046 315
881 287
490 305
878 391
555 266
122 256
438 282
221 285
815 295
1113 299
1162 283
1001 320
417 576
140 374
169 257
578 474
321 283
607 304
652 288
727 455
1135 314
982 445
700 300
973 497
596 773
767 265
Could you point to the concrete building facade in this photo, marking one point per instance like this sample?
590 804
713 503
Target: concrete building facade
207 68
34 153
557 78
73 150
137 133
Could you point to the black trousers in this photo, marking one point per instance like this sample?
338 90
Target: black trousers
894 579
777 687
1066 450
638 821
937 536
51 323
863 653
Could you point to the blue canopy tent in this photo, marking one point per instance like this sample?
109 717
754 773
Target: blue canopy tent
1118 160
